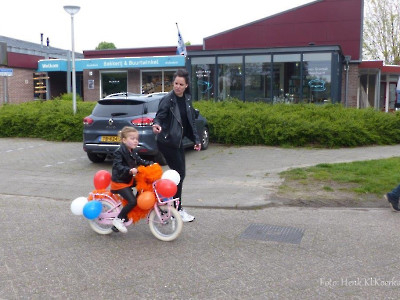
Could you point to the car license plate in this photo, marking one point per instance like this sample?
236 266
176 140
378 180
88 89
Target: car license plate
110 139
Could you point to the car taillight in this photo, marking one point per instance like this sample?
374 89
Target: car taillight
87 121
142 121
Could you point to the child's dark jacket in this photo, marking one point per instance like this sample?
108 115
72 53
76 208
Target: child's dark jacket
123 162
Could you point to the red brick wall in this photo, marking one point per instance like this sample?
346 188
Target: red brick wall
134 81
20 86
352 88
91 94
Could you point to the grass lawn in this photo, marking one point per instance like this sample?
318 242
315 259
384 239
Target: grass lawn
373 177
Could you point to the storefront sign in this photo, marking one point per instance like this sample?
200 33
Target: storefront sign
52 65
113 63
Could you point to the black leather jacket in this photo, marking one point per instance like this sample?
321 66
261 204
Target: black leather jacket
169 118
123 162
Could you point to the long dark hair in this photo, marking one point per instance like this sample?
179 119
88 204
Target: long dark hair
184 74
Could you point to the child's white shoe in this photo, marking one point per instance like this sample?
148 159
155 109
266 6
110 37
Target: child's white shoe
119 224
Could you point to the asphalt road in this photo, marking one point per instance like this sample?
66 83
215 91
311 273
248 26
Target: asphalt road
242 250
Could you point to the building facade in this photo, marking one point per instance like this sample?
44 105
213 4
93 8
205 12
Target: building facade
309 54
26 83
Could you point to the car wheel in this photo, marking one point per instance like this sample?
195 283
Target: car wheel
96 157
205 139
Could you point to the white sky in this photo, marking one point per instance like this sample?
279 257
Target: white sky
130 23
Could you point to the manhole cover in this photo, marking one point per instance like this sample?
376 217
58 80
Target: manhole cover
273 233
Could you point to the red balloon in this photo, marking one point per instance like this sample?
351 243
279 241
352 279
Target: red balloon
101 179
166 188
146 200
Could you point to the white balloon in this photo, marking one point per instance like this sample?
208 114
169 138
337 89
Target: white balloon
77 205
172 175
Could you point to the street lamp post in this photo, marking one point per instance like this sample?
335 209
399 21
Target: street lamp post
72 10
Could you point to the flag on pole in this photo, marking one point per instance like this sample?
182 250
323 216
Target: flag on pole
181 49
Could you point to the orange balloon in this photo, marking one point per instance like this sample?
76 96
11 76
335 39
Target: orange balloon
101 179
146 200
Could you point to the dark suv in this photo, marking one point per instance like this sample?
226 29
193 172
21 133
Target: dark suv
112 113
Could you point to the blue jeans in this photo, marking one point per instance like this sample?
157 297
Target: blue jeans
395 193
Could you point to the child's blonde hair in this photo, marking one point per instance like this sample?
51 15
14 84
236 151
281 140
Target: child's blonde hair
123 133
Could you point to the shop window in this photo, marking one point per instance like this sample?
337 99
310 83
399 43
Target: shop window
168 81
151 82
286 78
203 78
157 81
271 78
113 82
317 78
258 78
229 77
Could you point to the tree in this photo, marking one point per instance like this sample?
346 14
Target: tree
382 31
105 46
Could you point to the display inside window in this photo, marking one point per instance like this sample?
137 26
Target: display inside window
229 81
157 81
168 81
203 82
113 83
258 82
317 72
151 82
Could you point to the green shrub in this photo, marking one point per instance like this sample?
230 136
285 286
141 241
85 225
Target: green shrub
68 96
230 122
50 120
243 123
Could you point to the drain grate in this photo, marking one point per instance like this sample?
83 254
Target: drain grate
273 233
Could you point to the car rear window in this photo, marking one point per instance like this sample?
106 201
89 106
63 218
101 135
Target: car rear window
115 107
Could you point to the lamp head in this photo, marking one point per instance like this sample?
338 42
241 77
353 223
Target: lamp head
71 9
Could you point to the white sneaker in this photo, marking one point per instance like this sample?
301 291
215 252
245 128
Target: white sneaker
119 224
185 216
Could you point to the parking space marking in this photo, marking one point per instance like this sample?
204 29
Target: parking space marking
64 162
20 148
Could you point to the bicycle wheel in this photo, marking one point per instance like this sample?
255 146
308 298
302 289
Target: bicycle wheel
99 225
168 230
